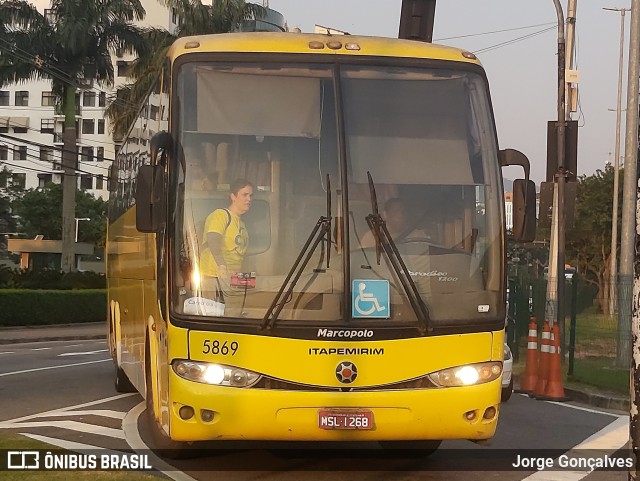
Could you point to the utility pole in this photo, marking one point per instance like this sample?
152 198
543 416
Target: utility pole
555 286
569 60
629 209
562 168
629 190
613 270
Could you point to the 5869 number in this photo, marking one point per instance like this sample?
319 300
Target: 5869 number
225 348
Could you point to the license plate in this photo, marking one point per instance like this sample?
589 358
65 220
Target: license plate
336 419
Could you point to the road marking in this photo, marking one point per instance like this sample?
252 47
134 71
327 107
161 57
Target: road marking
62 411
74 345
8 352
610 438
71 426
51 367
69 445
80 353
105 413
613 436
132 436
580 408
40 348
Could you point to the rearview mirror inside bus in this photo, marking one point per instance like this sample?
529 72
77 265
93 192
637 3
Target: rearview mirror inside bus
149 195
524 210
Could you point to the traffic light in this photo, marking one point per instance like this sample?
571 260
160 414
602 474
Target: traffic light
546 204
570 150
416 20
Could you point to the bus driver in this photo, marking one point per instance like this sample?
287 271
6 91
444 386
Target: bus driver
395 217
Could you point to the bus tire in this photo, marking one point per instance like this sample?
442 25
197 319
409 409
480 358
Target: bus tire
414 448
161 443
123 384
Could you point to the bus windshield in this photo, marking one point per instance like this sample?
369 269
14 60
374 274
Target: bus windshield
257 143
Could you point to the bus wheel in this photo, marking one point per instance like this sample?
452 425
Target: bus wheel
122 381
161 443
414 448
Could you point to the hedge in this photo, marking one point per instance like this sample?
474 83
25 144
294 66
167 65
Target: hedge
26 307
50 279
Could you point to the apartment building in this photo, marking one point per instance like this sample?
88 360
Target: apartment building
31 124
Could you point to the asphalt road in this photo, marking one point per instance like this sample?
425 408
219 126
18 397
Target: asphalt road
40 376
62 392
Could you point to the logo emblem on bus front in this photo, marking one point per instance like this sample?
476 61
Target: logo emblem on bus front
346 372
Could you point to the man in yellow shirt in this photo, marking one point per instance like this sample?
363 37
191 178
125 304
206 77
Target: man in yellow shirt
226 234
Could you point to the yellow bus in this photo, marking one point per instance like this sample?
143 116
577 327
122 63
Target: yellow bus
366 301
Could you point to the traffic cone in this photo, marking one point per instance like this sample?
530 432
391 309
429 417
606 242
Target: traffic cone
530 377
554 391
543 361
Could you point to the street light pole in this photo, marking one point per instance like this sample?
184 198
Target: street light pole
78 219
613 270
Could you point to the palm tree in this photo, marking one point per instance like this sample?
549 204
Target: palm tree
72 43
195 19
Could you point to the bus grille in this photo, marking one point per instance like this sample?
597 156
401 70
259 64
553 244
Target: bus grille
281 385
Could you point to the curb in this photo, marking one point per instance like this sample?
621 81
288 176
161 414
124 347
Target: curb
78 337
56 332
35 327
600 400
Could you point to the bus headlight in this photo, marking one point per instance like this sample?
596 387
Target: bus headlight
218 374
467 375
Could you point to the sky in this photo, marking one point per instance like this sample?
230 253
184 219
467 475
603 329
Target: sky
522 74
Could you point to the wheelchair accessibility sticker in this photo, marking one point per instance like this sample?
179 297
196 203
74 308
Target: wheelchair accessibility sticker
370 298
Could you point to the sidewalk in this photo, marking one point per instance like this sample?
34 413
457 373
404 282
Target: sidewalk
62 332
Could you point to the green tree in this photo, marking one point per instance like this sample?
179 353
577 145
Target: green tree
40 213
194 19
74 43
588 245
7 218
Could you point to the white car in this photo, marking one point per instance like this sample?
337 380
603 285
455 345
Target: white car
507 378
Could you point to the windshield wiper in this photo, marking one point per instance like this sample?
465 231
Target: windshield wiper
322 230
385 242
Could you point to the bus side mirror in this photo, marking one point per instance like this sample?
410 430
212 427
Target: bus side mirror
509 157
524 210
150 184
524 196
149 198
161 141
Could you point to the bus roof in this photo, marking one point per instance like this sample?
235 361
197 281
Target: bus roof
270 42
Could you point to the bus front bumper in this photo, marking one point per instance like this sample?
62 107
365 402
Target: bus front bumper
224 413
